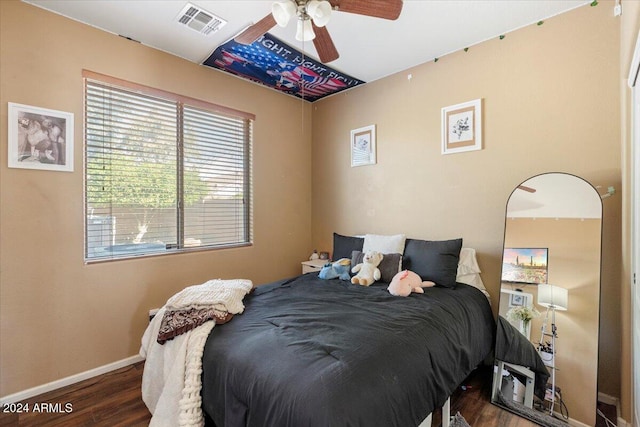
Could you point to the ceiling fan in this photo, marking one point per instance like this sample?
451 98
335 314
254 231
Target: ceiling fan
527 189
312 17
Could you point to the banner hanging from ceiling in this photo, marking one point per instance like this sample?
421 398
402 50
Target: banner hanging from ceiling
271 62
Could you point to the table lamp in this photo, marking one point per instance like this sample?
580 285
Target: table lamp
553 297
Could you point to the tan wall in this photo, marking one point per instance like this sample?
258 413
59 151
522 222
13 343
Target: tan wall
548 94
551 100
630 25
574 258
59 317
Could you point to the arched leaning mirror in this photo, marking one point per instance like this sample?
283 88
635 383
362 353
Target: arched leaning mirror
547 335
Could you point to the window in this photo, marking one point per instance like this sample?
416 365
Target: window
163 173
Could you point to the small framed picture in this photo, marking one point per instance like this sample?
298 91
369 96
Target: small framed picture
324 255
40 138
516 300
363 146
462 127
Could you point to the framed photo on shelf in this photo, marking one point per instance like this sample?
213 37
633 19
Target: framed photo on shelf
363 146
462 127
40 138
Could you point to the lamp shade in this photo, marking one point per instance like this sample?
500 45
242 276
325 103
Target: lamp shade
305 30
552 296
282 12
319 11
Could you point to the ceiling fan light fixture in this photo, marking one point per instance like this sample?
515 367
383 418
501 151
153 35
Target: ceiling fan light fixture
304 31
282 12
319 11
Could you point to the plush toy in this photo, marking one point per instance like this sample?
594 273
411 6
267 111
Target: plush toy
368 271
405 282
339 269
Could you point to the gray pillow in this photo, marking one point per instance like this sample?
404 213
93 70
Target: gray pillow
389 266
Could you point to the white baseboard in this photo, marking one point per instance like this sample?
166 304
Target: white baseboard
573 423
608 399
623 423
63 382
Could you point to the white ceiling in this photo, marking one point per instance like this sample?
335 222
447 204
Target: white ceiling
558 195
369 48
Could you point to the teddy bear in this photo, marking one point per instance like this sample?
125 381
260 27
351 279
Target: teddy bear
368 271
339 269
405 282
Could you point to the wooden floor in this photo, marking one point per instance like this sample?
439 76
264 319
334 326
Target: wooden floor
114 399
473 401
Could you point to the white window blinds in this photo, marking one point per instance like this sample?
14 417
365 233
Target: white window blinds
162 175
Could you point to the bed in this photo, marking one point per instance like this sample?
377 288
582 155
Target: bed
312 352
521 357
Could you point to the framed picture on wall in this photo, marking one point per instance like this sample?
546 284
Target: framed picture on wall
516 300
363 146
462 127
40 138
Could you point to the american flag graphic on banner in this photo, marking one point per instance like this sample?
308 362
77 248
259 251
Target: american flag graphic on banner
270 62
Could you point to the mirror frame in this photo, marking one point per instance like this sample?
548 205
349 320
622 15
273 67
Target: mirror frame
526 374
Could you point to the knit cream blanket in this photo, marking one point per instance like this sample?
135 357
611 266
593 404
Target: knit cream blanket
171 381
224 295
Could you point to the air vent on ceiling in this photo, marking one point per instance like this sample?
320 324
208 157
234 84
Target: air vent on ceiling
200 20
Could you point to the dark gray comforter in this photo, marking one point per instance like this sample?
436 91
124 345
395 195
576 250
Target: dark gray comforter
513 347
308 352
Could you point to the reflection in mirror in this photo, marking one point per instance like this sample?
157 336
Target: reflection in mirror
547 337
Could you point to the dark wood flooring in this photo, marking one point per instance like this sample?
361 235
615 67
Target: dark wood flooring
114 399
608 411
473 401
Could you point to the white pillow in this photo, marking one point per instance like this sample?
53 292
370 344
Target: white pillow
469 271
393 244
468 263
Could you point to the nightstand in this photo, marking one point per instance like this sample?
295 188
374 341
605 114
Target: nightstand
313 265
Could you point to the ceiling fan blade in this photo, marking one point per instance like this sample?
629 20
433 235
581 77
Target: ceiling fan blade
386 9
527 189
254 32
324 45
